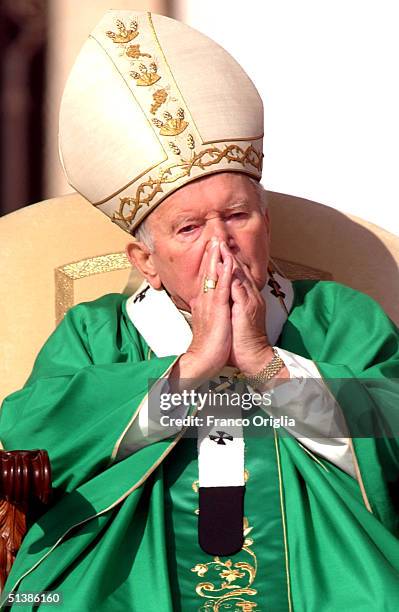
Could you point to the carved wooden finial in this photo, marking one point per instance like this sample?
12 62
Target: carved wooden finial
25 485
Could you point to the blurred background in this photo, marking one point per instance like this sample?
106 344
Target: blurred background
326 69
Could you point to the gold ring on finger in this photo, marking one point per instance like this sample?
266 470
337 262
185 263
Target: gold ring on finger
209 283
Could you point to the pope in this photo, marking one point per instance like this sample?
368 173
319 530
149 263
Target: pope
162 130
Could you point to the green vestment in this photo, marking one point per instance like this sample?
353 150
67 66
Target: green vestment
121 532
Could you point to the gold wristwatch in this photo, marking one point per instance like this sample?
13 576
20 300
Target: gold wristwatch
268 372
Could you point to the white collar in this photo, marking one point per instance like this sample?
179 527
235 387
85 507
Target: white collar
167 332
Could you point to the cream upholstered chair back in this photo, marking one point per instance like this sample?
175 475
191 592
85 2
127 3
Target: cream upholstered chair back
54 254
63 251
357 253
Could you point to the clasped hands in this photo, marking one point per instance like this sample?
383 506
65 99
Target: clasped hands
228 321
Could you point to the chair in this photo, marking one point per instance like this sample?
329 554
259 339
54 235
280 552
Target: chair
63 251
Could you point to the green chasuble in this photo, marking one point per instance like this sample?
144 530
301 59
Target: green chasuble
121 533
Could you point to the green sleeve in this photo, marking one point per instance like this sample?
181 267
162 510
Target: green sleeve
86 384
356 349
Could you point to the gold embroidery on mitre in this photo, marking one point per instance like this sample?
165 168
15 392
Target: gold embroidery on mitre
124 35
160 96
134 52
147 75
172 126
146 191
173 147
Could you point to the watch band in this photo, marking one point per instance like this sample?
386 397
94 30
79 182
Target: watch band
268 372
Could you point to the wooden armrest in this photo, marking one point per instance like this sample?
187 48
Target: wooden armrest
25 486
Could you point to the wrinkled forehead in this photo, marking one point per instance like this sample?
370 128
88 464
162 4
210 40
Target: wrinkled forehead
215 193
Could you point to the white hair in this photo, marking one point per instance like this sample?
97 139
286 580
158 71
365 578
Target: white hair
143 233
261 191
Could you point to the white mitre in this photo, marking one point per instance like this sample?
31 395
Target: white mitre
150 105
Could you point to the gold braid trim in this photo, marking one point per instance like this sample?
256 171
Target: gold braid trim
146 191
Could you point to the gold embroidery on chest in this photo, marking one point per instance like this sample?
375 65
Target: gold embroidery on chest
227 585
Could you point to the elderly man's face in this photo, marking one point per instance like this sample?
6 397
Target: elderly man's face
224 206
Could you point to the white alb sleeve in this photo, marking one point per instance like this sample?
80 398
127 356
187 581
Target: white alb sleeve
318 417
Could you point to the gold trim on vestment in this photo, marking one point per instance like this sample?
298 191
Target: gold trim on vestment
282 507
359 477
313 456
358 474
119 500
133 418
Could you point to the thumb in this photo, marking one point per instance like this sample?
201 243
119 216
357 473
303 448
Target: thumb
238 293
